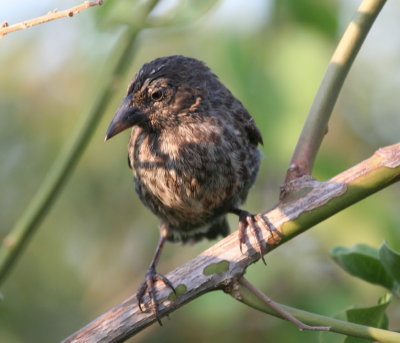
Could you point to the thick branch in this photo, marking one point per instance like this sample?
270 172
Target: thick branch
53 15
216 267
316 124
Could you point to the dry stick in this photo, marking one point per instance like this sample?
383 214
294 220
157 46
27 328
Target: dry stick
220 265
53 15
316 124
277 308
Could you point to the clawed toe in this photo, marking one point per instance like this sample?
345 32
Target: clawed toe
248 221
148 286
255 223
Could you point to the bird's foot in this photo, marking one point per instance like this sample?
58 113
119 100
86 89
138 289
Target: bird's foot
148 286
255 222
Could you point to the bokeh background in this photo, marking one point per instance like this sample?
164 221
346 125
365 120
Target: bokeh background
93 248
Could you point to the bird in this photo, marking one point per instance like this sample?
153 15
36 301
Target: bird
193 150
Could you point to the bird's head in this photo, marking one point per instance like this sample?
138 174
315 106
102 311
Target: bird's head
164 92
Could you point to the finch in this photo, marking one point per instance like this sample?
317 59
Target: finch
193 152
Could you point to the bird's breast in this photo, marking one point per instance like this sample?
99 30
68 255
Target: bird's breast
188 174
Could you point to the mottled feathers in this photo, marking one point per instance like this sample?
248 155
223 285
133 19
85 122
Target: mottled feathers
195 156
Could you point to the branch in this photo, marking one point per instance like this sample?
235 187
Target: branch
243 290
316 124
53 15
15 241
220 265
247 296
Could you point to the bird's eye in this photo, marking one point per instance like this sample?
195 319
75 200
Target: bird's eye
157 95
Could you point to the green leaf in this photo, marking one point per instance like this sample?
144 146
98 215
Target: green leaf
363 262
390 260
374 316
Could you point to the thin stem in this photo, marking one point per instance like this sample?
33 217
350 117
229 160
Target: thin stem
316 125
248 297
5 28
14 243
280 311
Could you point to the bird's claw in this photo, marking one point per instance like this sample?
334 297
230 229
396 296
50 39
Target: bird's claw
255 223
149 286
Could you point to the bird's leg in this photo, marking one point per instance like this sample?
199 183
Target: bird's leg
255 222
152 276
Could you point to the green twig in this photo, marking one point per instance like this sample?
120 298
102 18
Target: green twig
275 307
242 293
316 124
14 243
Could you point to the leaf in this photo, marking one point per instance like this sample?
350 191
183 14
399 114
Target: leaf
374 316
363 262
390 260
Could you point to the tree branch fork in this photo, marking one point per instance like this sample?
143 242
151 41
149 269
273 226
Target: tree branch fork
220 266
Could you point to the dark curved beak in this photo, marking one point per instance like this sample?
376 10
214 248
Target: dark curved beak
125 117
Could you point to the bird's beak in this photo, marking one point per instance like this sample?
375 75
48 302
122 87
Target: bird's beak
125 117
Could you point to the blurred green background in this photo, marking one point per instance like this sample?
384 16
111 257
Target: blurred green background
93 248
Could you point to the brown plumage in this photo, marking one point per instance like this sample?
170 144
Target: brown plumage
193 152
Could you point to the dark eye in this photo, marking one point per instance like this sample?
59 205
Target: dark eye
157 95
